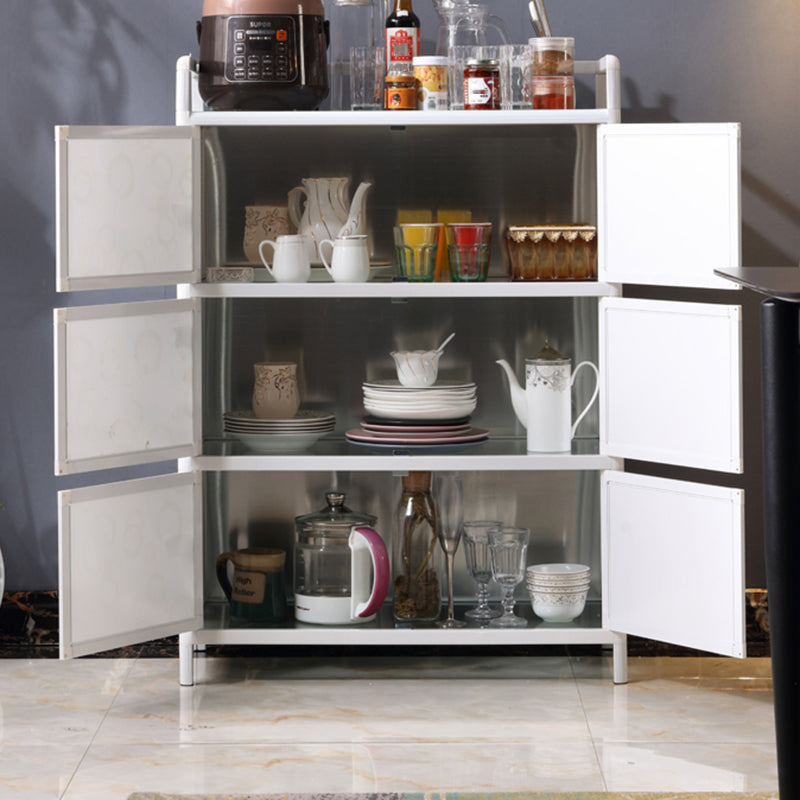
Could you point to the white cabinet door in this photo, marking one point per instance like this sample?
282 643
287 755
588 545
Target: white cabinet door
670 382
130 561
668 203
673 561
128 206
127 384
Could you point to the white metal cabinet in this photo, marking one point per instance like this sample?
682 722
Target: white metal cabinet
130 562
624 432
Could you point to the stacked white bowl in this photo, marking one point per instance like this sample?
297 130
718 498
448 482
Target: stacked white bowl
558 591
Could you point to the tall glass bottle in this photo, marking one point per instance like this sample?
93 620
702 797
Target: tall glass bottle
415 547
402 38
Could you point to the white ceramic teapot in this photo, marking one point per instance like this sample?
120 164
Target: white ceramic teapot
326 213
544 404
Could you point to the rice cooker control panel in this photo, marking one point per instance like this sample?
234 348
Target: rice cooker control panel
261 49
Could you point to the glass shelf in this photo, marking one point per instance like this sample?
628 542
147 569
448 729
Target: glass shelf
335 453
586 629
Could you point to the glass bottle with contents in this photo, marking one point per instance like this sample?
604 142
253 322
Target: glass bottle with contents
416 552
402 38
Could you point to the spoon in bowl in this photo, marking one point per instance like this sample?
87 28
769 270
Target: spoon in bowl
441 347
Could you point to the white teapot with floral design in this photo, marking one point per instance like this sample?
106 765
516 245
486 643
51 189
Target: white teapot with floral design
544 404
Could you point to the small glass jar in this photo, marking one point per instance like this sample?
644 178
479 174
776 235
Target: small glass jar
553 55
482 84
553 91
400 91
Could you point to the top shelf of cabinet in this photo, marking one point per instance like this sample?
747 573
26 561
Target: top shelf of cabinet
190 109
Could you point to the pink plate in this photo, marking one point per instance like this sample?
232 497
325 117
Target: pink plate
371 437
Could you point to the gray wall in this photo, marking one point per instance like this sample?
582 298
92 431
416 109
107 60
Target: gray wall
112 62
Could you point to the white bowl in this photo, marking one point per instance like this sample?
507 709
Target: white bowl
416 367
555 572
558 606
558 589
559 584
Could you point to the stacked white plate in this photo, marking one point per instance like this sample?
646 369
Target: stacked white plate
558 591
279 435
445 400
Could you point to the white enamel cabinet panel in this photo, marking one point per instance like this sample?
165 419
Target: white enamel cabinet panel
127 207
668 203
127 383
670 376
673 561
130 560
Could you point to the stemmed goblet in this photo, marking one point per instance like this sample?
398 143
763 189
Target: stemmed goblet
450 514
476 550
508 546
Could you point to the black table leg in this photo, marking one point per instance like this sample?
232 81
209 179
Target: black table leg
780 329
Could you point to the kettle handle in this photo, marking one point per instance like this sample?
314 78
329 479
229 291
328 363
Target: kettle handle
361 539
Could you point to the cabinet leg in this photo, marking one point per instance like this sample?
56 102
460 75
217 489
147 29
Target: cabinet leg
780 352
620 658
186 659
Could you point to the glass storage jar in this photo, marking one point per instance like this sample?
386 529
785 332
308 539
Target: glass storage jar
416 552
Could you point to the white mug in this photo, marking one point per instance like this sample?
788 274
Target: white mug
290 262
547 387
349 259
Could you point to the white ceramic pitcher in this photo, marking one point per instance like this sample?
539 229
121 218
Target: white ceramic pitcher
290 263
544 406
349 258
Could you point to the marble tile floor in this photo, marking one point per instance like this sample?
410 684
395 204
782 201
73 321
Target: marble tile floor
102 728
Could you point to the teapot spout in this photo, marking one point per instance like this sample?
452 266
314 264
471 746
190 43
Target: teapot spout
518 399
356 220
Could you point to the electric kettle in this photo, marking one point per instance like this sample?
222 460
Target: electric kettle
263 55
341 566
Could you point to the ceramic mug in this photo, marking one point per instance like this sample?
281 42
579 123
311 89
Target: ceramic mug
290 262
263 222
349 258
275 392
256 592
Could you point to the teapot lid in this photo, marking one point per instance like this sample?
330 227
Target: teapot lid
548 353
336 517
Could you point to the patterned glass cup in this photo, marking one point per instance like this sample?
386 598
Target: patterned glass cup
479 565
508 547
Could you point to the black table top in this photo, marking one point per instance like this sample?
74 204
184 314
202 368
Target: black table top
780 282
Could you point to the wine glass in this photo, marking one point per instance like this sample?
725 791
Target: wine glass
450 514
508 546
476 550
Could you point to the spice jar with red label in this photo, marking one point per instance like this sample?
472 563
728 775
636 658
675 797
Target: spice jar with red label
482 84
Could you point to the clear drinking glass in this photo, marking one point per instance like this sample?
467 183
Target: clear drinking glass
508 546
476 550
450 507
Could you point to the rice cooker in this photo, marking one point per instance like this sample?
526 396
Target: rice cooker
263 55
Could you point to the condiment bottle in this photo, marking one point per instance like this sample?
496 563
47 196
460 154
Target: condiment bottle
399 90
416 552
482 84
402 38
